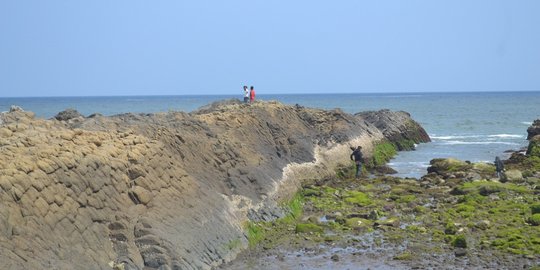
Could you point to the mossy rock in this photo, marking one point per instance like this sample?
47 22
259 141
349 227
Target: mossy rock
484 168
534 146
460 241
357 197
404 256
513 175
358 223
535 220
308 192
487 187
446 165
382 153
450 228
535 208
308 228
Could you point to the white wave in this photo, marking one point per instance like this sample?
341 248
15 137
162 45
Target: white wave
527 123
481 143
453 137
504 136
494 136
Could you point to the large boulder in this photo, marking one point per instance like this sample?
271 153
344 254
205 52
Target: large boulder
443 166
67 115
513 175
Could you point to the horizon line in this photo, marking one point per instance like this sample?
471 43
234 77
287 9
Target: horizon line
287 94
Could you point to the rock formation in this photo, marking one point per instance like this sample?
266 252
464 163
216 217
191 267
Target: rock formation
399 128
533 135
167 190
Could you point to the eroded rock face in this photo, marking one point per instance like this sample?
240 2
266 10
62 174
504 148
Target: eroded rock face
158 190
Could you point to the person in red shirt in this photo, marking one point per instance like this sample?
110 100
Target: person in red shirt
251 94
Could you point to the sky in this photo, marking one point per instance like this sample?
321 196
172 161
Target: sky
162 47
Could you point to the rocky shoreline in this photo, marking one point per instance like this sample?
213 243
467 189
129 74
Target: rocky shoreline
458 216
168 190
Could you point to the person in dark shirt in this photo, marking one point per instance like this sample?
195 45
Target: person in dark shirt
499 166
356 156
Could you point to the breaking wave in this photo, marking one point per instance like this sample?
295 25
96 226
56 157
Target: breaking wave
477 143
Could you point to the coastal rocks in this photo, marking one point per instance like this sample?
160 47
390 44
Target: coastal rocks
534 129
14 108
534 146
533 135
166 190
513 175
397 127
67 115
447 166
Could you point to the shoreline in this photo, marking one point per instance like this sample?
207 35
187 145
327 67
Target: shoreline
456 216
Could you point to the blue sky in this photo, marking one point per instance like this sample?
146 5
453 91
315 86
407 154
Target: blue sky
133 47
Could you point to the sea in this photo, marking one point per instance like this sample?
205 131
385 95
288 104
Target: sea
474 126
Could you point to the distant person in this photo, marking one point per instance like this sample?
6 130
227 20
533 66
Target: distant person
251 94
499 167
357 155
246 94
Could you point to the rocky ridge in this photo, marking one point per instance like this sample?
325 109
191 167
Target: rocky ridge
166 190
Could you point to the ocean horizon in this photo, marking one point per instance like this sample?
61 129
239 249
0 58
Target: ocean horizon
475 126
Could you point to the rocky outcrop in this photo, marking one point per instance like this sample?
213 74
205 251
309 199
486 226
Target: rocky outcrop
533 135
160 191
67 115
398 127
534 129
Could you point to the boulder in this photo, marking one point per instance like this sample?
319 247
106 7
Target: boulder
444 166
143 196
513 175
67 115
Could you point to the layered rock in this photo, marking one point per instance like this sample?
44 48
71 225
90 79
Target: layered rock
398 127
162 191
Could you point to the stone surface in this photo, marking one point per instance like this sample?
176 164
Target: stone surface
67 115
165 190
513 175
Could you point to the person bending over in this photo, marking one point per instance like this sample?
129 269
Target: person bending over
356 156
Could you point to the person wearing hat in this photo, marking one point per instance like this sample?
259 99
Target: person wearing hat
357 155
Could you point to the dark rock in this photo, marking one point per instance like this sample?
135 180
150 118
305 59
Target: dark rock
67 115
534 129
335 258
397 127
385 169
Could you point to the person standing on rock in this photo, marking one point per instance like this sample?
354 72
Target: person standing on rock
357 155
499 167
251 95
246 94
